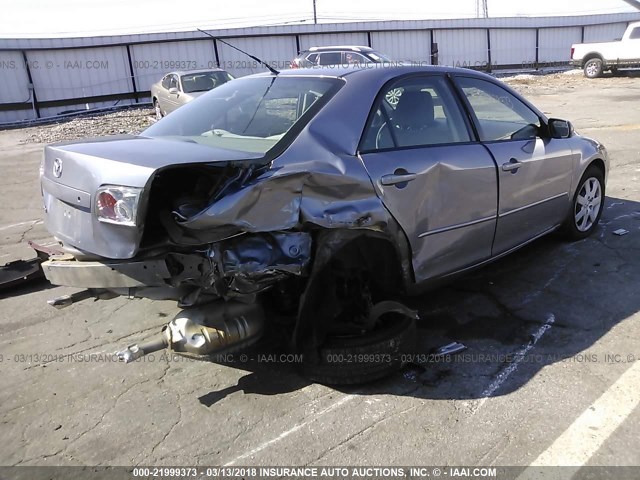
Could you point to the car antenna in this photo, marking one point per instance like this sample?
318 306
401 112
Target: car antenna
269 67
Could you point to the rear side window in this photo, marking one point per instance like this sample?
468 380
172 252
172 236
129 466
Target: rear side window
312 58
416 111
166 81
500 115
635 33
330 58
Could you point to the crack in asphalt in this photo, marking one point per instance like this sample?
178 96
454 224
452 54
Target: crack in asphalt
28 230
90 429
6 412
178 401
362 432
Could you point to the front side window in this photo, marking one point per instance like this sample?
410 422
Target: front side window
500 115
635 34
417 111
249 114
173 81
352 58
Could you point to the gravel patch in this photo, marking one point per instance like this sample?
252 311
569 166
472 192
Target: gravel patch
131 121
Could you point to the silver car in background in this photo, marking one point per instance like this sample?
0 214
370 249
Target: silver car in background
309 193
178 88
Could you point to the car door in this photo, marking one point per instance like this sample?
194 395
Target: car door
534 170
163 93
434 178
630 47
172 99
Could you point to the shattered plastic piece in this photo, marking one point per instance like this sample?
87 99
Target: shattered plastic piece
19 272
451 348
620 232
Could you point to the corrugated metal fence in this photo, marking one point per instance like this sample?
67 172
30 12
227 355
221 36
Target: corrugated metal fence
44 77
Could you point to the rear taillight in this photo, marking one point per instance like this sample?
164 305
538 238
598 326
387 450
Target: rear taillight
294 64
572 52
117 205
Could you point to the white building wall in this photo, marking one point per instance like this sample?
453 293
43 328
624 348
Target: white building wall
555 44
604 33
413 45
278 51
515 47
15 79
151 61
462 48
325 39
83 72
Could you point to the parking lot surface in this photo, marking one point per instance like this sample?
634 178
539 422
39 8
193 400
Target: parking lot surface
550 374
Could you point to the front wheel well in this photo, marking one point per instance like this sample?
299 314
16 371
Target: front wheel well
599 164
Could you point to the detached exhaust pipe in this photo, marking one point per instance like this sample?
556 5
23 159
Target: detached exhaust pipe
213 328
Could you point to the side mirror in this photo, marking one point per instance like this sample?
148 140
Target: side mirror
560 128
174 90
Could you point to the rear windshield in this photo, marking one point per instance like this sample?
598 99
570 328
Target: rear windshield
248 114
203 81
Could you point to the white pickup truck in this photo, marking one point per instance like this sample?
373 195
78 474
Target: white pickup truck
595 58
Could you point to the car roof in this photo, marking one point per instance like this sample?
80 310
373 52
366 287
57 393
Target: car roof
197 70
382 69
350 48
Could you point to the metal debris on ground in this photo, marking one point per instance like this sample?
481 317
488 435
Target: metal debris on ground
620 232
450 348
19 272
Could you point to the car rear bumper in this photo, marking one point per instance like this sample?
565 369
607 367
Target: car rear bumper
114 274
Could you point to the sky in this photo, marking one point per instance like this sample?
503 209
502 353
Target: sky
64 18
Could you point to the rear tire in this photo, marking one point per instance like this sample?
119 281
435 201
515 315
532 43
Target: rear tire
586 206
365 358
593 68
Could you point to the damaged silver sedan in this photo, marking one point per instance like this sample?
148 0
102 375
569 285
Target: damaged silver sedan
309 194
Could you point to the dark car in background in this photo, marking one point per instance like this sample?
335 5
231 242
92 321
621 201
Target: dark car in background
338 55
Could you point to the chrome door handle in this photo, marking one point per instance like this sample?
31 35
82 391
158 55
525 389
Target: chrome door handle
511 166
394 179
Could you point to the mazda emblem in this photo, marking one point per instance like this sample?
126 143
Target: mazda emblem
57 168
